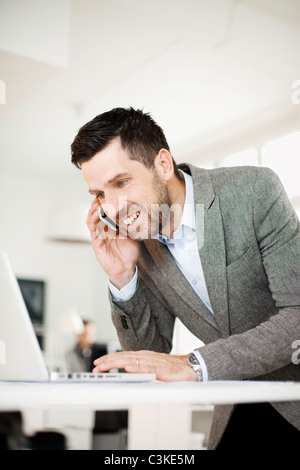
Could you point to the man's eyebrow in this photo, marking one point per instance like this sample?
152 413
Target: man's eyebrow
111 181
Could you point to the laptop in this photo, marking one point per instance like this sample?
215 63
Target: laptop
21 358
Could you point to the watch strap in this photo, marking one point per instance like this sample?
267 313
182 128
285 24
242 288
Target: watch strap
197 368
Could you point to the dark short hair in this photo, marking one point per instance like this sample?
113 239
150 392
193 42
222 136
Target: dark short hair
139 134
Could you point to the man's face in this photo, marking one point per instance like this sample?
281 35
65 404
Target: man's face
129 193
88 336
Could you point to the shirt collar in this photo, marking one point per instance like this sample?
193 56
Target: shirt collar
188 216
188 219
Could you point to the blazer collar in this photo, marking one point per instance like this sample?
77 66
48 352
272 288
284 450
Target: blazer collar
212 253
211 243
203 189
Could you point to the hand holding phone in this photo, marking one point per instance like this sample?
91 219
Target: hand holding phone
106 220
118 255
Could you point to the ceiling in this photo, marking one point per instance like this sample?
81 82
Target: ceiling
199 67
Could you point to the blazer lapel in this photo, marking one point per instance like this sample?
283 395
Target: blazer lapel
211 244
177 281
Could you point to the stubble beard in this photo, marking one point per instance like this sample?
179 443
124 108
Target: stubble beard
158 213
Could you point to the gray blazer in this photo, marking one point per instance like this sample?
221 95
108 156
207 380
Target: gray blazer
251 263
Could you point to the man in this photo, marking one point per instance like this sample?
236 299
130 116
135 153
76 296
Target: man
219 249
80 358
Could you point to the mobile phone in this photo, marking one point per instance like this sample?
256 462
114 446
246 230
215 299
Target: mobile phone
106 220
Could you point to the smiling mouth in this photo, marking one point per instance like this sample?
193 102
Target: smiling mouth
131 219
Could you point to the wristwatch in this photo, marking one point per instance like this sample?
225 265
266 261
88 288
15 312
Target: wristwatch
194 363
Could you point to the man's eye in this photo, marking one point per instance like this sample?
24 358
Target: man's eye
100 195
122 183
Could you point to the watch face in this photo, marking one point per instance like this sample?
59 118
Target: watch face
193 360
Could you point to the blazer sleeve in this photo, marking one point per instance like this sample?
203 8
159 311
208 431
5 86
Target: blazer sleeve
144 321
268 346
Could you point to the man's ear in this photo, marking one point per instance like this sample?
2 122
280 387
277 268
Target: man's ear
164 164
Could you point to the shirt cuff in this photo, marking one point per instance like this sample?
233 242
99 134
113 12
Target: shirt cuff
127 291
202 364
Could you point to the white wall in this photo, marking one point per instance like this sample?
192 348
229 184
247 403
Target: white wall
71 271
47 21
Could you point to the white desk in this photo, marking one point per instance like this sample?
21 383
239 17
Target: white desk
159 412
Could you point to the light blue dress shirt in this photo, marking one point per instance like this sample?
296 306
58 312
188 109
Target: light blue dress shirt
184 249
